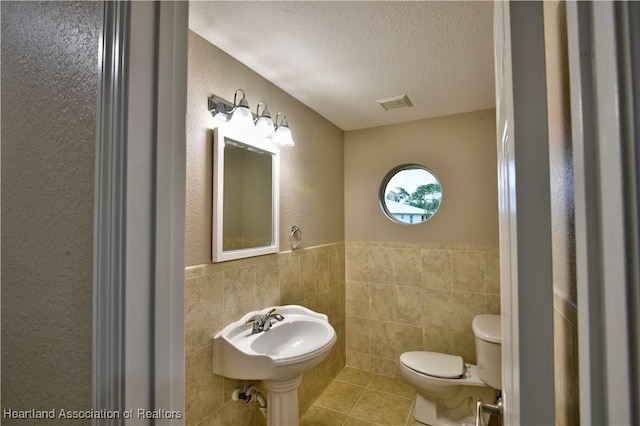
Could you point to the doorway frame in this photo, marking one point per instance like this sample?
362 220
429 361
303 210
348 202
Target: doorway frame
604 62
524 212
139 236
139 228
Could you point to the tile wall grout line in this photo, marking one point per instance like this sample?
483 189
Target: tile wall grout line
410 413
368 387
358 401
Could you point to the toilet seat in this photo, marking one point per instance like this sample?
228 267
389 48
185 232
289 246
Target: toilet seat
434 364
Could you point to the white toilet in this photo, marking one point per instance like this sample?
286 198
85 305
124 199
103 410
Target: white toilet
447 388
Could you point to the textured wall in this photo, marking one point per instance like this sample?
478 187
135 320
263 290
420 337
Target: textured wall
311 197
459 149
49 97
217 294
311 173
562 215
411 297
417 287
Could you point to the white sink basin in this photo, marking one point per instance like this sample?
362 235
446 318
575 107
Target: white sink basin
289 348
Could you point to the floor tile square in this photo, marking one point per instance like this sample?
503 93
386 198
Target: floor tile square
320 416
353 421
355 376
413 422
396 386
340 396
381 408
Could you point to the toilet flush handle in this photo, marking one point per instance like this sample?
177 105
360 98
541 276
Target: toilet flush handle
489 408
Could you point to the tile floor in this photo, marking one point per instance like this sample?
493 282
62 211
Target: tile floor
361 398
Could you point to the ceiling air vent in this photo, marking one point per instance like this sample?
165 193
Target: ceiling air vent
395 103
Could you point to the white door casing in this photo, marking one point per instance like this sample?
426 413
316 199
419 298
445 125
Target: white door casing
524 214
604 66
138 315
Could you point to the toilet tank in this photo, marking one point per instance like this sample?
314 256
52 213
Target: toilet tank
488 334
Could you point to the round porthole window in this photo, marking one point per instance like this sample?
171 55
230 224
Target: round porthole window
410 194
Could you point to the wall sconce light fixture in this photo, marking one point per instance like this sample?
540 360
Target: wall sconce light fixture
283 134
239 116
264 124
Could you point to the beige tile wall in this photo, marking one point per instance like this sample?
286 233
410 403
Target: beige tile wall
217 294
409 296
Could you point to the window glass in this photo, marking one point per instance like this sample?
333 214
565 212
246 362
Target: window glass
410 194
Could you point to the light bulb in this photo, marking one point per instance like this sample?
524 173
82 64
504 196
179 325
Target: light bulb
265 128
283 136
283 133
241 120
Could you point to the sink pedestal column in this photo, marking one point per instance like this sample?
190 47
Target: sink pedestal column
282 401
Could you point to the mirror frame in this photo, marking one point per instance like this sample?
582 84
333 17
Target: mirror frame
220 134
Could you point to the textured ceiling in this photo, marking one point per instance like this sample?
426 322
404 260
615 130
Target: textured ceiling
340 57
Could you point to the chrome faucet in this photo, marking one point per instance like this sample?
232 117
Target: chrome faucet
264 322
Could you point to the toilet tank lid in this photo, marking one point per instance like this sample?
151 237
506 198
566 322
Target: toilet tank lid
434 364
487 327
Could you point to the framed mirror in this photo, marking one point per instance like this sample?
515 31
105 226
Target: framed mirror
246 174
410 194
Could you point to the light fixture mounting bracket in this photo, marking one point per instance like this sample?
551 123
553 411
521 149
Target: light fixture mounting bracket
220 107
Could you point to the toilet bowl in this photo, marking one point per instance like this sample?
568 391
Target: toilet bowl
447 388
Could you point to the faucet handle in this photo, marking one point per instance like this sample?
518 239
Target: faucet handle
254 319
256 322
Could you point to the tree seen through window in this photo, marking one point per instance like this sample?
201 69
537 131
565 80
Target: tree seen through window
426 197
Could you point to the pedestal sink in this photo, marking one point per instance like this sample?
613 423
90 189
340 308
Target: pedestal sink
278 356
